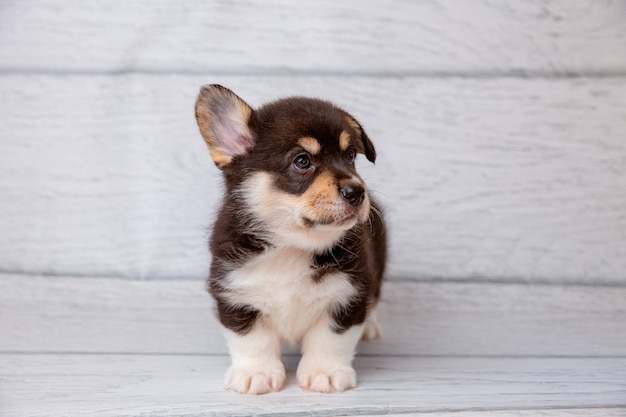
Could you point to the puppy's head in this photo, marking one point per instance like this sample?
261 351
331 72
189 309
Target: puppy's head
290 163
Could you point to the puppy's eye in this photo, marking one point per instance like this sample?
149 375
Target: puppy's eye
302 162
351 156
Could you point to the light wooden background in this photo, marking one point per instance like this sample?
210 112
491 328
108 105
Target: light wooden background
501 133
501 129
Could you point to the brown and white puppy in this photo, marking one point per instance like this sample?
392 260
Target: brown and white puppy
298 245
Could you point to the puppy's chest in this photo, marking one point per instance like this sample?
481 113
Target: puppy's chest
282 285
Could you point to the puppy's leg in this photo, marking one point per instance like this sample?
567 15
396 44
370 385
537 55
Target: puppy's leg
372 328
326 364
256 367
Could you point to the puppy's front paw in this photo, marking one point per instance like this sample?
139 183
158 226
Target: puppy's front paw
326 379
255 380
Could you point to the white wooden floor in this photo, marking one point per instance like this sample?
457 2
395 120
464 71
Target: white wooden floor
102 346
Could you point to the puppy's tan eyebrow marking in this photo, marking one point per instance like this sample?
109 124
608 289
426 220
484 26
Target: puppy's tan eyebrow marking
310 144
353 123
344 140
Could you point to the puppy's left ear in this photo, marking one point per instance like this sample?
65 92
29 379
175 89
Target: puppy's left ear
368 146
223 119
370 152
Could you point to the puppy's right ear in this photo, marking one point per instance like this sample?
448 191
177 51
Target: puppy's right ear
223 121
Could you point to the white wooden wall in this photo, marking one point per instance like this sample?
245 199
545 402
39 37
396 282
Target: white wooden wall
501 129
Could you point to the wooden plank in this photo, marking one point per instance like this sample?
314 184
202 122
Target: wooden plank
497 179
371 36
584 412
39 314
122 385
576 412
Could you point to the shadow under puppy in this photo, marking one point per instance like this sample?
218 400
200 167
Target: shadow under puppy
298 245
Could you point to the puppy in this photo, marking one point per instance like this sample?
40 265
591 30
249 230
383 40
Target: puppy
298 247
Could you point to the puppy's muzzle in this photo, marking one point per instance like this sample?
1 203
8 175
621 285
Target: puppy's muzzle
352 192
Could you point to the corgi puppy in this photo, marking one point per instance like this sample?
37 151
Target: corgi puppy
298 247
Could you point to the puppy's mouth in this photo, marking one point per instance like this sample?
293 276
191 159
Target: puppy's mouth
334 223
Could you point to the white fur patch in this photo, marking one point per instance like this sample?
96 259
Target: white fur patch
256 367
326 364
279 284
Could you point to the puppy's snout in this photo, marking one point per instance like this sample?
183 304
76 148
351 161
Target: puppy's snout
353 193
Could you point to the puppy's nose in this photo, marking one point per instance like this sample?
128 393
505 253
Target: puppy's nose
353 193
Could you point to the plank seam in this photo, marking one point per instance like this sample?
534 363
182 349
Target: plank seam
280 72
377 411
296 355
398 279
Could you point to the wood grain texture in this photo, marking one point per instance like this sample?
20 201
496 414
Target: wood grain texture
94 315
500 179
373 36
122 385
